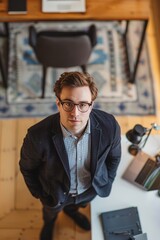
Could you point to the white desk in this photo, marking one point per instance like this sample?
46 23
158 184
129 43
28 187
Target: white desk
125 194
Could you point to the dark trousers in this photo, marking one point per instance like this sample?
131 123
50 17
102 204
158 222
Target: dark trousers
72 204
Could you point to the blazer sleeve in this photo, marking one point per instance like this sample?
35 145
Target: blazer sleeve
29 165
109 155
114 155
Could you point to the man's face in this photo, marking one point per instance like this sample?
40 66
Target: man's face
75 121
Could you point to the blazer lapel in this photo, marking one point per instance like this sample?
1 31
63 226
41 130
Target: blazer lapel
59 144
95 141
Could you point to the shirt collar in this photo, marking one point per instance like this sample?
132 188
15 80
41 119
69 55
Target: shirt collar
66 133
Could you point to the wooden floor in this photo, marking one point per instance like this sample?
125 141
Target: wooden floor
20 214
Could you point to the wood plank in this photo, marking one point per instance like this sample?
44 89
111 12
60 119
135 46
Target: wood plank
30 234
23 198
7 148
7 165
30 226
22 126
11 234
22 219
155 6
102 9
19 234
7 192
3 6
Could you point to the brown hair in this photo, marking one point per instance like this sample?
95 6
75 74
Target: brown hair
75 79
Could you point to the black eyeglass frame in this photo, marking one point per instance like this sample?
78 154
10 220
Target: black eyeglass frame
74 104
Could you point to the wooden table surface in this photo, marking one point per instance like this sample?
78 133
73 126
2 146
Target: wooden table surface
95 9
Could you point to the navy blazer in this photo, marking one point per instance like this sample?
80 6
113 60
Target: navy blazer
44 162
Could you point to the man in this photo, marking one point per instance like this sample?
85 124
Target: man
70 157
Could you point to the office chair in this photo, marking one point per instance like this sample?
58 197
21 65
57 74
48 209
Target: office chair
62 49
3 71
4 55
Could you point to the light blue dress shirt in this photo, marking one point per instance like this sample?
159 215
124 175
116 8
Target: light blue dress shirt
79 156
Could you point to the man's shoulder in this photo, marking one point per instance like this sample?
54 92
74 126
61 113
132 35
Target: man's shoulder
105 122
100 114
44 124
103 119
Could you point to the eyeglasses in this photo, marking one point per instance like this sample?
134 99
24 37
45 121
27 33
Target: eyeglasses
68 106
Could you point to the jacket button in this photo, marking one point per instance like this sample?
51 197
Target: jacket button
64 193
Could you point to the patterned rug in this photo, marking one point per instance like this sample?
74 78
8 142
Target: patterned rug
106 65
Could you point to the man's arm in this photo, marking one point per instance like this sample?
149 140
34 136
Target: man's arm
114 155
29 165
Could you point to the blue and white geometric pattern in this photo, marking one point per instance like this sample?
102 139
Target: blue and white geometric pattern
106 65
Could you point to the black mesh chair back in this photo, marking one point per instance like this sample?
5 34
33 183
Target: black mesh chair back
62 49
